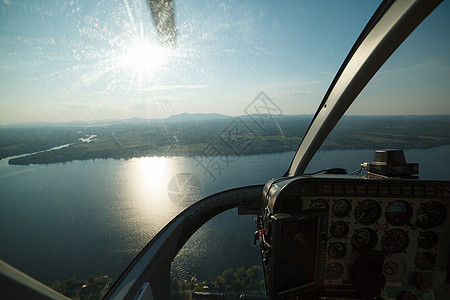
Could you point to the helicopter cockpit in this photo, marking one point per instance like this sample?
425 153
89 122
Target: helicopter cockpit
378 233
334 236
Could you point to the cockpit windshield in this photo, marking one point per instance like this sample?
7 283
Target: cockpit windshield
115 116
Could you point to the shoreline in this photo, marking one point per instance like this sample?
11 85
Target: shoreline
21 160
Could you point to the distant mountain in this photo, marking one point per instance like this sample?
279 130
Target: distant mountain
177 118
197 117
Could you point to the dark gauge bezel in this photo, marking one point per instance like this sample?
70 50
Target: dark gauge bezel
395 241
338 212
431 214
425 261
339 229
323 204
406 295
398 217
427 239
334 270
337 250
290 204
370 237
367 212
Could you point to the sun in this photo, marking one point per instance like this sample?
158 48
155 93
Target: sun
143 58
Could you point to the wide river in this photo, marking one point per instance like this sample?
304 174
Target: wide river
92 217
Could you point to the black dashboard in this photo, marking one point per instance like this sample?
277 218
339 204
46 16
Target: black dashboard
391 236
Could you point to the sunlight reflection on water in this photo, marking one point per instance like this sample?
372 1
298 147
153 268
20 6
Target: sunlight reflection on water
146 206
145 197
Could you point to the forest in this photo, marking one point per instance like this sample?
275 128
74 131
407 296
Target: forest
216 135
232 282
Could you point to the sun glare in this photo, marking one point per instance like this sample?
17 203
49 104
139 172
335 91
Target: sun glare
143 58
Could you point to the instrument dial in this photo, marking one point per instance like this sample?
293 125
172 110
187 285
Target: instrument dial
341 208
394 241
364 239
431 214
339 229
425 261
367 212
398 213
428 239
319 204
334 270
394 268
337 250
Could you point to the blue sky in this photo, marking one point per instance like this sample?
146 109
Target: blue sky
91 60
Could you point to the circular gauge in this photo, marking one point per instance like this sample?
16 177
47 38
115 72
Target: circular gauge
431 214
395 241
367 212
425 261
334 270
291 204
398 213
364 239
319 204
390 268
393 268
341 208
427 239
337 250
339 229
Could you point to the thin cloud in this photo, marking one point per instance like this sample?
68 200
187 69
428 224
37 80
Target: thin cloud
429 64
73 105
293 92
173 87
311 82
98 93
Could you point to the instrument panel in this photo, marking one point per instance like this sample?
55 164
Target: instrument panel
405 221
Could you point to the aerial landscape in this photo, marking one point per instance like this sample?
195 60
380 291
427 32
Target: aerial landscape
108 131
210 135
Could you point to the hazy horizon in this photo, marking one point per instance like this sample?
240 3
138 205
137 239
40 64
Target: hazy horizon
87 122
